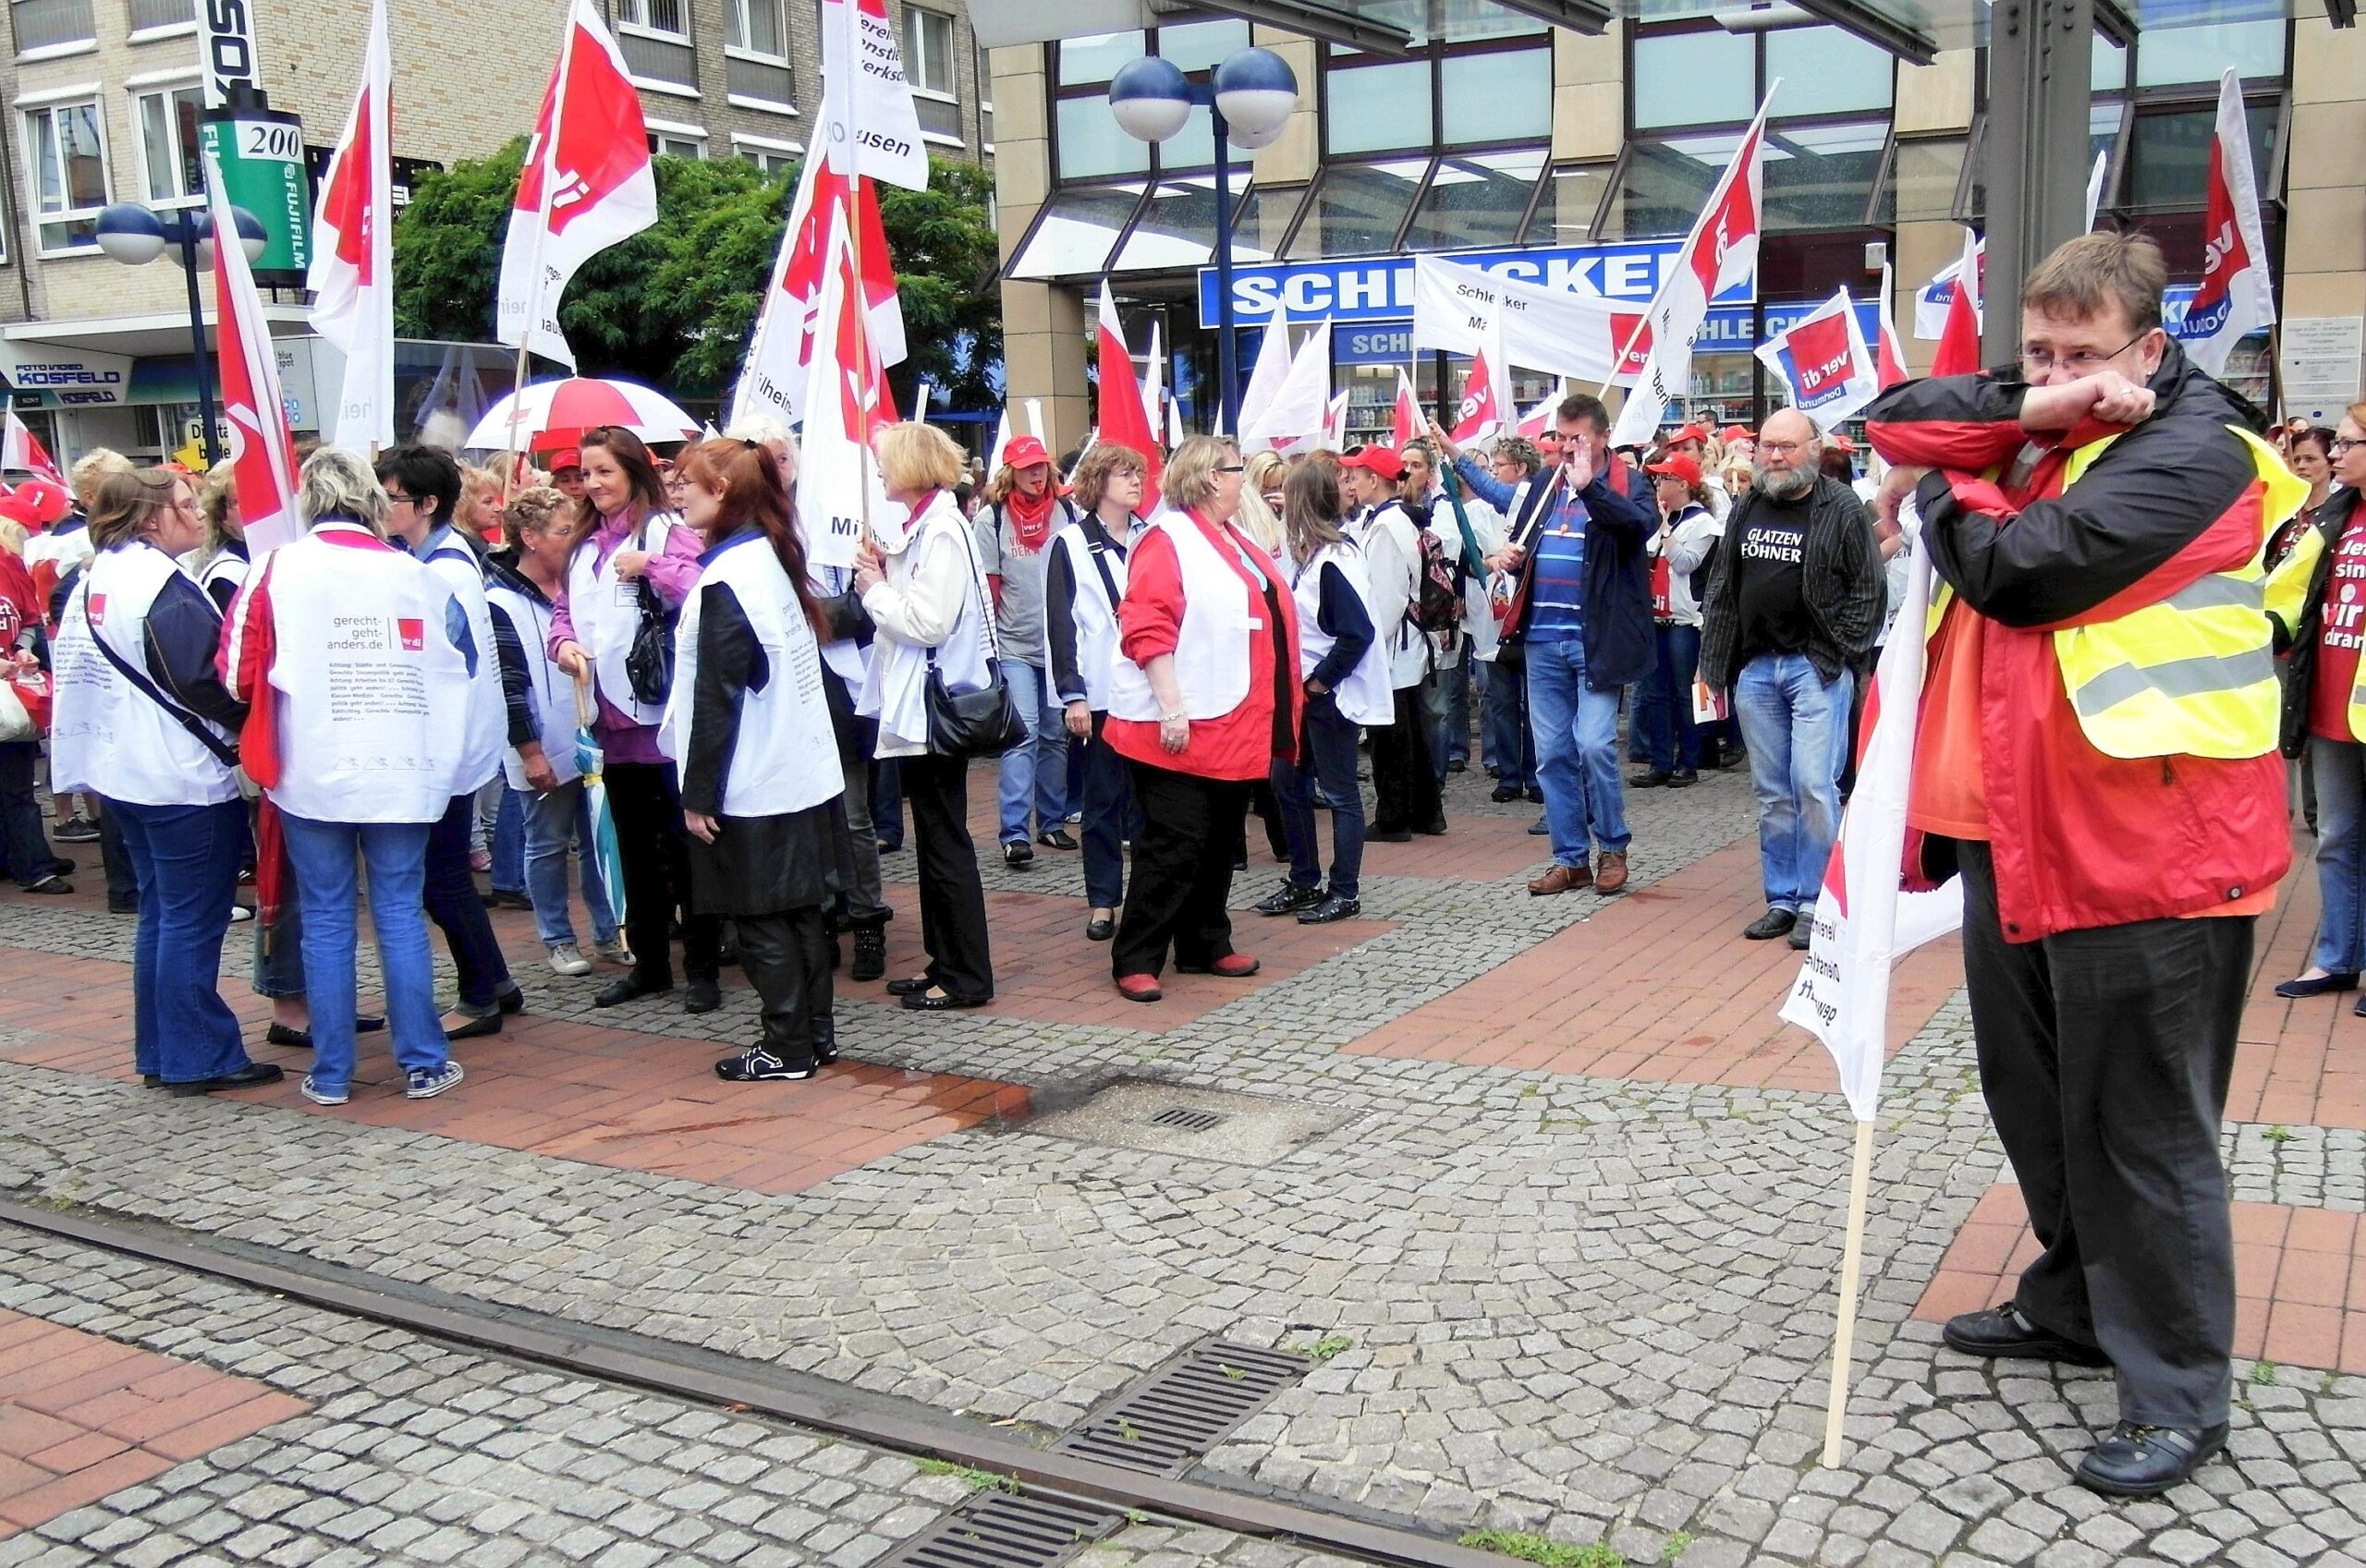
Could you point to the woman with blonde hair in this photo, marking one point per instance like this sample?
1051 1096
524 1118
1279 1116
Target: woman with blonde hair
925 592
1204 696
1260 501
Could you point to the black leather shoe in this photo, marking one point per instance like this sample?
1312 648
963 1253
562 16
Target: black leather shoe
1651 779
911 987
477 1028
301 1039
1058 838
2323 985
2001 1332
935 1001
705 996
1767 927
1684 778
511 1001
616 993
1503 793
1018 855
1333 908
249 1077
369 1023
1802 934
2142 1461
1291 898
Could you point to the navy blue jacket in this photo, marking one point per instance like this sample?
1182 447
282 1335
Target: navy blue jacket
1621 518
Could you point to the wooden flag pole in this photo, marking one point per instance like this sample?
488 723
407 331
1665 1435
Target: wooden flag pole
1852 1260
549 152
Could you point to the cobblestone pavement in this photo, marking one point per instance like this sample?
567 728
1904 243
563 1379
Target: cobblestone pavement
1587 1307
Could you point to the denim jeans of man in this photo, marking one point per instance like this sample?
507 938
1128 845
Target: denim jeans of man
1505 714
1110 819
1664 702
509 839
1457 708
321 858
887 804
25 854
2339 767
1576 753
1328 757
1437 716
1796 725
1035 771
554 821
185 860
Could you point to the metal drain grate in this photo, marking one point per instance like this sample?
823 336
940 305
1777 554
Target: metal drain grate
993 1530
1168 1421
1189 1119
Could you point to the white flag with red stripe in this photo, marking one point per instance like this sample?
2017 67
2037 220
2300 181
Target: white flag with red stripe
1889 359
1405 419
262 453
869 109
2237 296
23 453
1721 250
352 275
847 404
1265 381
587 184
1125 419
1486 405
1864 921
1334 418
1959 352
1299 412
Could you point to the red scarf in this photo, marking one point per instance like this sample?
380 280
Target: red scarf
1030 522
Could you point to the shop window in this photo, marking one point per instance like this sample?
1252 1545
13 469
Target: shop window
1820 176
1826 71
1566 208
1092 144
1503 95
1475 201
2175 56
1377 108
1706 77
1075 232
1359 207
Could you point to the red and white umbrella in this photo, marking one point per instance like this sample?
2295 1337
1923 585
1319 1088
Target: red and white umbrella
547 415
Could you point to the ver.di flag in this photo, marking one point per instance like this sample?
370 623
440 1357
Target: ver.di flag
352 275
1486 403
869 113
1721 250
773 381
847 404
1554 329
262 453
1823 363
23 453
1959 351
586 185
2236 296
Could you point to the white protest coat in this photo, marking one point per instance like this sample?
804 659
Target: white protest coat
605 610
939 554
488 725
554 714
784 757
1212 643
1093 613
1364 698
107 736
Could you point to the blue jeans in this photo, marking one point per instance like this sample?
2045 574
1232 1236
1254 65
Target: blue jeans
1504 716
1110 819
1796 725
2339 768
1664 702
1327 756
1576 753
186 861
552 823
321 856
887 804
1038 766
509 840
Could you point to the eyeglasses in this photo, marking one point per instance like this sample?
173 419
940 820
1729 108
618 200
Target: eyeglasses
397 498
1781 448
2342 443
1233 469
2038 361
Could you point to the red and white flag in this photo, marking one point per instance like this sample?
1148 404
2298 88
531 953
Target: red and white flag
1405 420
262 453
1486 405
1539 419
1821 360
1300 412
1889 359
1554 329
1334 418
1721 250
773 381
23 453
587 184
847 404
1265 381
869 109
1155 389
352 275
1125 420
1959 352
1864 921
2237 296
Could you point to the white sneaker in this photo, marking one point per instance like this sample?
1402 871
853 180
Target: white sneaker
567 959
427 1083
613 953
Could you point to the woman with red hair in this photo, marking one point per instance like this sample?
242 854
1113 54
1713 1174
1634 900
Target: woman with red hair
749 729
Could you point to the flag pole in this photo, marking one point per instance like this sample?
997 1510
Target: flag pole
1852 1260
848 63
548 154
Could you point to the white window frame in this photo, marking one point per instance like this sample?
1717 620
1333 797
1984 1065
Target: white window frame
49 102
985 96
735 20
161 85
649 29
952 64
742 144
675 130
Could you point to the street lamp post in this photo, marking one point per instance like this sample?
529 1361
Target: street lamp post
135 235
1249 101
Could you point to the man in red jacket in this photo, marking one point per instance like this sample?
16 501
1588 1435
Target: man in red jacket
2096 755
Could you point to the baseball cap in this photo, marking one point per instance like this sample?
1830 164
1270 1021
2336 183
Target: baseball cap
569 457
40 503
1690 432
1681 465
1375 459
1840 442
1737 432
1024 452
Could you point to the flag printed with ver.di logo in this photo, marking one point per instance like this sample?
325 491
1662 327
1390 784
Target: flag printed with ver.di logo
1823 364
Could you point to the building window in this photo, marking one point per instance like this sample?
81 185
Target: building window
670 17
677 141
171 168
160 18
928 50
67 148
1377 108
775 160
2179 57
985 102
759 27
46 27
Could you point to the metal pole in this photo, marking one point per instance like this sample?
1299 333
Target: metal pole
2038 101
187 232
1226 370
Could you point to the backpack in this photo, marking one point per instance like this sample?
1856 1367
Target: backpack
1437 604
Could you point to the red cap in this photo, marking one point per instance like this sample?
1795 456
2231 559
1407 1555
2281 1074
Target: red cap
1690 432
1376 459
1840 442
1680 466
569 457
1737 432
1024 452
40 503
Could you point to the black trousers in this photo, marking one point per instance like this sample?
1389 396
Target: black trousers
648 810
24 848
122 888
1182 871
454 904
1407 798
953 901
2104 1056
787 960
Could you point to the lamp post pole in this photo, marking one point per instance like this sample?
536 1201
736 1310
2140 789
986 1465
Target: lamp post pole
185 233
135 235
1227 357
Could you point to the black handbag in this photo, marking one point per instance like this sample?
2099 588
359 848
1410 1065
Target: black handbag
985 722
649 663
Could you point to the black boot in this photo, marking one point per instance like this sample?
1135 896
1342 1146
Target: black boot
870 949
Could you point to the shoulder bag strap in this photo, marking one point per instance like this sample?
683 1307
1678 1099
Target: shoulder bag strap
978 582
224 752
1108 578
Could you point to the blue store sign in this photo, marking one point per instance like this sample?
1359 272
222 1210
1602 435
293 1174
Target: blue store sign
1381 288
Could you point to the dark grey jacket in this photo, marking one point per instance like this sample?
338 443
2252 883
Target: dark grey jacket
1843 585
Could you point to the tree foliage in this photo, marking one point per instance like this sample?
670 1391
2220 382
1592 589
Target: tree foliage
673 305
